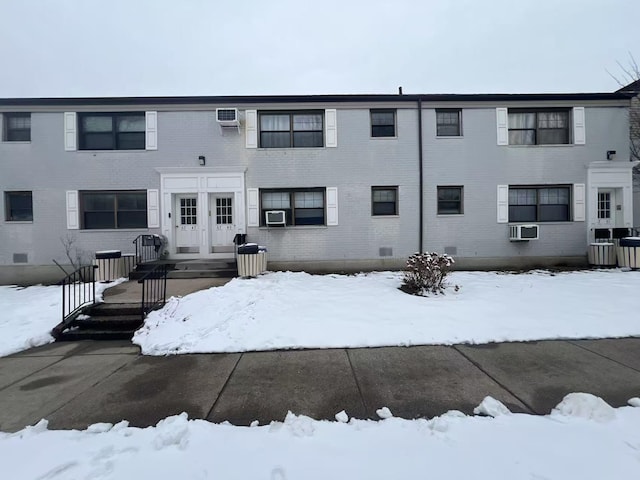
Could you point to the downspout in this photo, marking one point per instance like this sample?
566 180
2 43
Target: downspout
421 196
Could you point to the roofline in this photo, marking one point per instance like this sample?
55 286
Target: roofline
252 99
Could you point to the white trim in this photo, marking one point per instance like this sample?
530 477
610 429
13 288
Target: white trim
251 121
579 131
579 211
332 206
503 203
70 131
153 209
73 210
502 126
151 130
331 127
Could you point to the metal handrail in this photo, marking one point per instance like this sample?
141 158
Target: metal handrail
148 247
78 291
154 289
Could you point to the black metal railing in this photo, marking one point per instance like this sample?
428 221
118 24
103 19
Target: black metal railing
78 291
148 247
154 289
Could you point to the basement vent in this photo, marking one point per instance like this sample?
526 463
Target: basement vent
451 250
386 251
20 258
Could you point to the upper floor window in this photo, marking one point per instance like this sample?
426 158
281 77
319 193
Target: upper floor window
17 127
539 127
113 209
384 201
291 129
18 207
383 123
539 204
448 122
301 206
112 131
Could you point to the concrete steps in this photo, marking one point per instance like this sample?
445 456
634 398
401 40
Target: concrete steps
110 321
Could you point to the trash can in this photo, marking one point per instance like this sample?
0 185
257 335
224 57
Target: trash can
262 253
109 264
602 254
249 260
629 252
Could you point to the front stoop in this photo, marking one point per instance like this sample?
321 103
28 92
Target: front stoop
206 268
105 321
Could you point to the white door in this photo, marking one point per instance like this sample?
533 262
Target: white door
223 227
186 223
607 208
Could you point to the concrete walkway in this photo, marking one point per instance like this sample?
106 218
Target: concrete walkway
131 291
77 384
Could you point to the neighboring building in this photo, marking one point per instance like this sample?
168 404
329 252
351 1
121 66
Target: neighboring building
633 89
364 180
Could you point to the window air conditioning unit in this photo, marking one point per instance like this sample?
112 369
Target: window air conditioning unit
518 233
275 217
227 117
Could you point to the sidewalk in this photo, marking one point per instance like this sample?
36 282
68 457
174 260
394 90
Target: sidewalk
131 291
78 384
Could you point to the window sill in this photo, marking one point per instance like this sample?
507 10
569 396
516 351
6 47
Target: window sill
11 142
288 149
294 227
18 222
449 137
395 137
555 145
532 222
385 216
137 150
446 215
102 230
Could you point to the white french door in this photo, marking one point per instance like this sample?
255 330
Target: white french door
222 220
186 223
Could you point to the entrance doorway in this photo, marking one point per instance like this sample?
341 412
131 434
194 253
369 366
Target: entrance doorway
186 224
222 221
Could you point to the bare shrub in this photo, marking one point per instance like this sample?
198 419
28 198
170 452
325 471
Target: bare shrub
426 273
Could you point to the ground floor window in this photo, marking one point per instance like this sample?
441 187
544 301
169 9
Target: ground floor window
384 201
113 209
539 204
450 200
301 206
18 206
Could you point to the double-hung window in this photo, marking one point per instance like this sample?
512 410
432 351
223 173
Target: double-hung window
18 207
384 201
291 129
450 201
112 131
17 127
538 127
301 206
113 209
449 122
539 204
383 122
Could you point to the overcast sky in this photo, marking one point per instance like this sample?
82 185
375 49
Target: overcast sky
79 48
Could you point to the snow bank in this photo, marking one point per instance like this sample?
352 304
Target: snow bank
585 405
296 310
451 446
29 314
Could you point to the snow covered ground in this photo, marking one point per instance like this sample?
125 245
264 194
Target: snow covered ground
29 314
297 310
583 438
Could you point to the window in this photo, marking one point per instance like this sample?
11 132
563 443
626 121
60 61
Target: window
450 200
543 127
122 209
301 206
112 131
604 205
448 122
17 127
383 123
539 204
384 201
18 207
291 129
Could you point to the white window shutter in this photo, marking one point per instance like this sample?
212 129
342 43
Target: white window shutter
153 209
579 212
332 206
73 214
502 124
579 132
251 127
503 203
151 137
70 135
331 127
253 208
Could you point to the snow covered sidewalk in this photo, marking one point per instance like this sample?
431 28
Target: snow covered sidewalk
583 438
287 310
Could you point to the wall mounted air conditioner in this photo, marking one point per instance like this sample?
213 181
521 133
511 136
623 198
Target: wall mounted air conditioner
227 117
275 218
519 233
